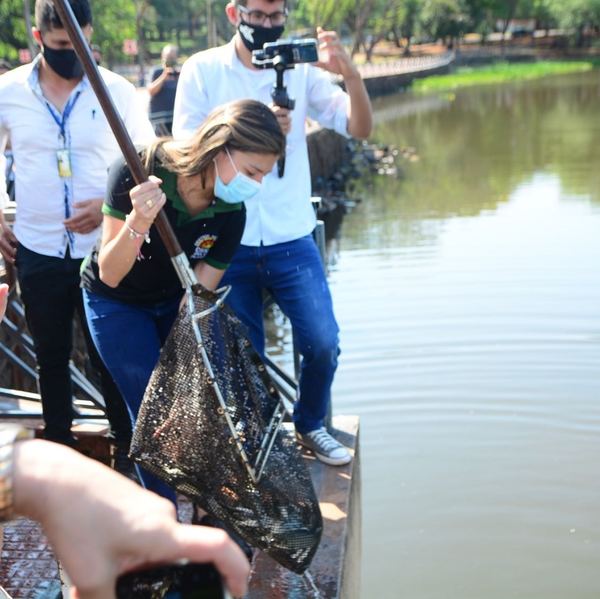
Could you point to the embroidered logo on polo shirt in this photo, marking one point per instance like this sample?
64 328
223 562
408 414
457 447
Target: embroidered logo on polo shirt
203 245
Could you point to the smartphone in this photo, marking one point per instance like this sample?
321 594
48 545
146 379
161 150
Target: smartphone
189 581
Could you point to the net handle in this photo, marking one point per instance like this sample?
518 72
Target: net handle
83 51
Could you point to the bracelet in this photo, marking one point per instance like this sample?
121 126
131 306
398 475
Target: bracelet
133 234
9 435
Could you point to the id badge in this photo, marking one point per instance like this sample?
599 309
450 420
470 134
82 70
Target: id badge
63 159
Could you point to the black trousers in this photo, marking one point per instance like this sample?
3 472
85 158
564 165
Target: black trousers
51 295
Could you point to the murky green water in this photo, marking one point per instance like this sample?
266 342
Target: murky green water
468 293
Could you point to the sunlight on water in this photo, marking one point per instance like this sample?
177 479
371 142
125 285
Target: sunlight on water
468 296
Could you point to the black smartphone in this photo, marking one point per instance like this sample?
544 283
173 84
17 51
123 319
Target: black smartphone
188 581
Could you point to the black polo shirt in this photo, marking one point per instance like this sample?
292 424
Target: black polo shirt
212 236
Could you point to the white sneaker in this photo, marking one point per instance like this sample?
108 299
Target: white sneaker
325 447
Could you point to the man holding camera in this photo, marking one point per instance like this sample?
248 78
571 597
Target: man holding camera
278 252
162 91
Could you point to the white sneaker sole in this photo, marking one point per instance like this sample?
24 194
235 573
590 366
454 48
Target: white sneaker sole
333 461
323 458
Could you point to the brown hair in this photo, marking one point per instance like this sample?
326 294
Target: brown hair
244 125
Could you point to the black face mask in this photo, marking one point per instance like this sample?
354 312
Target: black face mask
63 62
256 36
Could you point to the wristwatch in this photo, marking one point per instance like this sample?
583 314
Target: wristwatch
9 435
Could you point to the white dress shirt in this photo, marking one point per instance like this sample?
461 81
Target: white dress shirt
43 198
281 211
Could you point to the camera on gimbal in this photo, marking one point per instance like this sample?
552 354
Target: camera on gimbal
281 56
285 53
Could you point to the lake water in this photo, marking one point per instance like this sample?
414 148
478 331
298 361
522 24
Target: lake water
468 294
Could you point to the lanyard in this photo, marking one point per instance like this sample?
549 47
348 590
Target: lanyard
61 121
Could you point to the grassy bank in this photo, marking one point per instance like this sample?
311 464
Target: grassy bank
501 72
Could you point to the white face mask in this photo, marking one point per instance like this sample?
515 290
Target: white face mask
239 189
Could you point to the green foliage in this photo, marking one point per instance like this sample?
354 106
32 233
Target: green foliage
444 18
501 72
575 13
365 22
114 22
329 14
13 35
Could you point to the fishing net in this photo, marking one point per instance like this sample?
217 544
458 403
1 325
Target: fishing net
209 426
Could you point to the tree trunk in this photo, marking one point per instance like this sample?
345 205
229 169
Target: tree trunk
191 30
369 47
579 37
33 48
512 7
356 44
359 24
141 45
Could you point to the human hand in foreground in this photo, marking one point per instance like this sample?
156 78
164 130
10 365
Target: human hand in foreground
87 216
332 56
101 524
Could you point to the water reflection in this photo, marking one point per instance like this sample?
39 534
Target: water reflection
475 149
467 293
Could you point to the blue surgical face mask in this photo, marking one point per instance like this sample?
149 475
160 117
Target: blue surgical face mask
239 189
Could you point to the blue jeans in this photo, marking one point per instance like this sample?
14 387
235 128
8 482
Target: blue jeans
293 274
129 338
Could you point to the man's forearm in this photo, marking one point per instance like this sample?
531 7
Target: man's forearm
360 114
157 84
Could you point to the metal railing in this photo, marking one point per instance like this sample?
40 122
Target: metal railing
407 65
19 379
162 122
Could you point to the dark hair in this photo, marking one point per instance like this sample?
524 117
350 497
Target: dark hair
46 15
244 125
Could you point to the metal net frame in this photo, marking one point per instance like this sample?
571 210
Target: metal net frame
210 427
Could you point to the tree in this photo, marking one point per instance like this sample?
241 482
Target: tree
385 19
444 19
357 18
329 14
408 19
577 15
13 33
114 21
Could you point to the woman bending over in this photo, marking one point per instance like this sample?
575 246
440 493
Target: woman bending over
130 288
